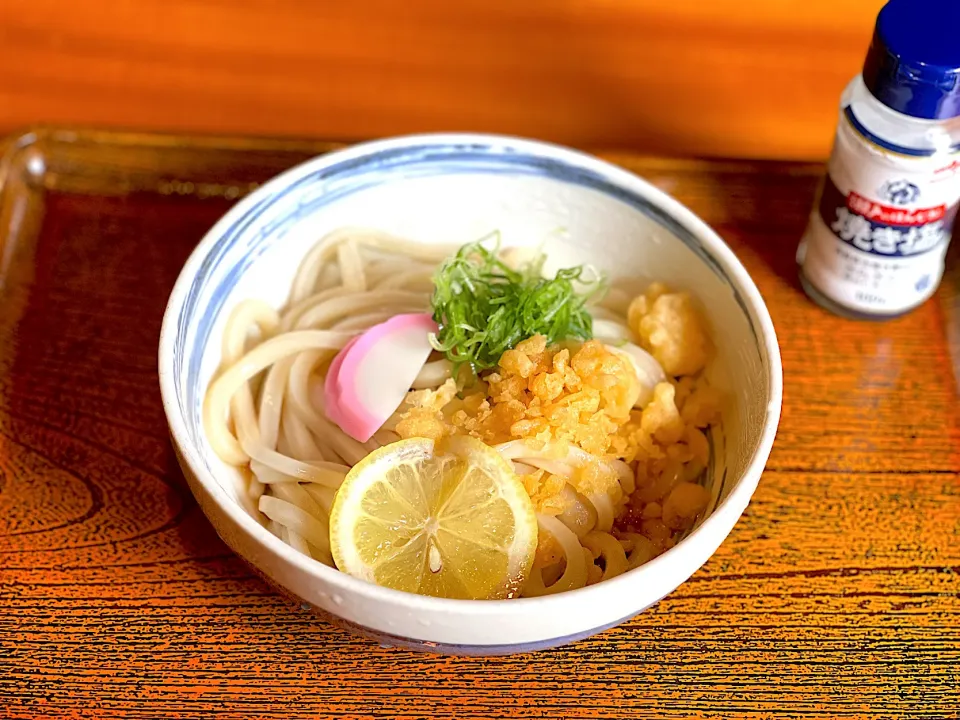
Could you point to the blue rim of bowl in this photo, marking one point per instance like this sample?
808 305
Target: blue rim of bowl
371 164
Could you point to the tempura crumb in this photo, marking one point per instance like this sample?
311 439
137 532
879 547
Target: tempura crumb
669 327
545 394
545 490
683 504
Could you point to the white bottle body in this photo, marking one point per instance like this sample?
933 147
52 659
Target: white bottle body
879 230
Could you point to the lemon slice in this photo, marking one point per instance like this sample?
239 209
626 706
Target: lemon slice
450 520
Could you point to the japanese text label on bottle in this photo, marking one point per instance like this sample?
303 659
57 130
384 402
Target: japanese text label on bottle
877 240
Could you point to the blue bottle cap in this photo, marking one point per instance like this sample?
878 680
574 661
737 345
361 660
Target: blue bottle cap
913 65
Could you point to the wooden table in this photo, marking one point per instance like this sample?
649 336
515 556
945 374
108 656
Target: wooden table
700 77
836 596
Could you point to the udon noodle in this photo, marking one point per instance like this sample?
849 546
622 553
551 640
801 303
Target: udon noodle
264 409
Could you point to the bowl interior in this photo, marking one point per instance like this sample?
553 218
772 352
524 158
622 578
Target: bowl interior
580 211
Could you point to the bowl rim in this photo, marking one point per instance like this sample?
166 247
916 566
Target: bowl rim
733 504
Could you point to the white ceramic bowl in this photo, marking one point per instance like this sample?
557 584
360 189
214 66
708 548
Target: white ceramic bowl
456 188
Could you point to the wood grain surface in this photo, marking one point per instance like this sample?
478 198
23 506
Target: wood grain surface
730 78
836 595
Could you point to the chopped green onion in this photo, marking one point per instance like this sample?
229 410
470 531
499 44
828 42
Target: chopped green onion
483 307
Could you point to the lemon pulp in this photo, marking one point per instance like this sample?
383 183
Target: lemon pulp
449 519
